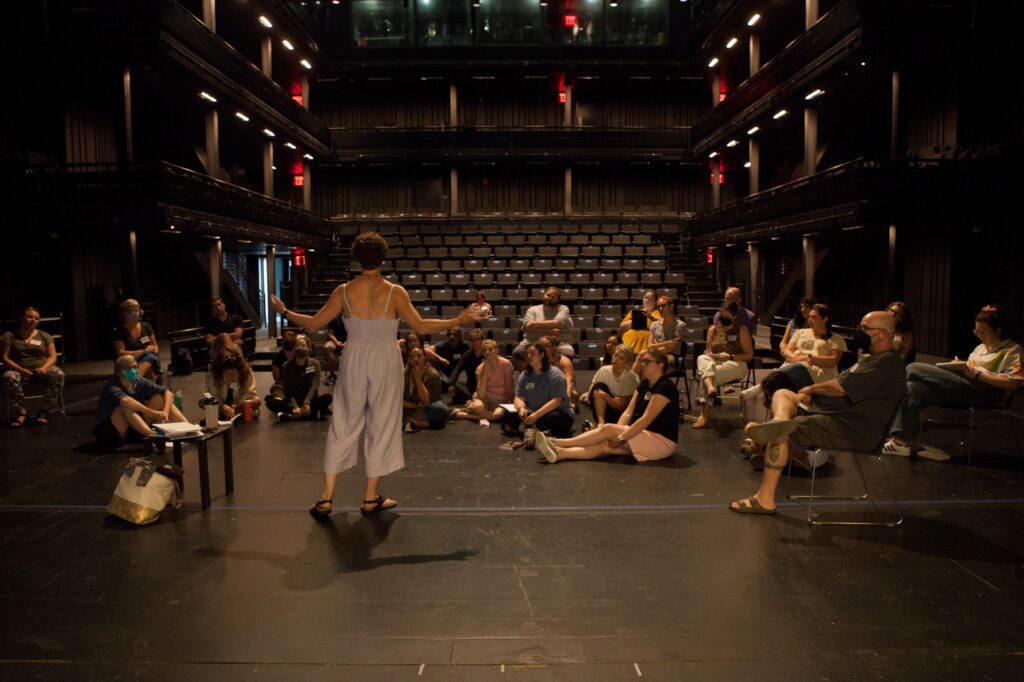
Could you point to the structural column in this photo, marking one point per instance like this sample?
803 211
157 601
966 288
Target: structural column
268 168
216 261
809 266
894 127
716 86
810 13
304 84
568 190
129 143
212 144
133 261
453 106
753 295
716 187
810 140
890 275
755 53
754 156
307 187
453 192
271 288
267 56
567 110
210 14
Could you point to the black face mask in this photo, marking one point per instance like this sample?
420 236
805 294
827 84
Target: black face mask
288 345
301 354
861 340
231 363
726 321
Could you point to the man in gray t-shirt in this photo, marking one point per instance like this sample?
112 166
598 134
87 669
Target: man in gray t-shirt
549 319
850 412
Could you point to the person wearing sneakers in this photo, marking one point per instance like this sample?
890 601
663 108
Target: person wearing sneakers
612 388
850 412
648 428
992 372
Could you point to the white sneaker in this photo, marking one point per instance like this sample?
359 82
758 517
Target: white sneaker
752 392
891 447
933 454
543 444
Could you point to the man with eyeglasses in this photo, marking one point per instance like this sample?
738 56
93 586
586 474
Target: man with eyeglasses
850 412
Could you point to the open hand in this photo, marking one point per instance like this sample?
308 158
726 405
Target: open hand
277 305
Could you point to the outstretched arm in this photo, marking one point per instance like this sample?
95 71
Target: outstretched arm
331 309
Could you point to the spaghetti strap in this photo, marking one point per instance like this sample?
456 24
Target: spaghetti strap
387 301
344 294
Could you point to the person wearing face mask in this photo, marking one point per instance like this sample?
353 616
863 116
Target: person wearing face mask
493 387
128 404
634 330
850 412
300 385
231 381
729 349
612 387
286 353
137 338
992 372
745 316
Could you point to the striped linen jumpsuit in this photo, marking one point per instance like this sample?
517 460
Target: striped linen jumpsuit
368 397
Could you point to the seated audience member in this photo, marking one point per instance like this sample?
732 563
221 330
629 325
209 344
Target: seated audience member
550 318
850 412
729 349
414 340
634 330
284 354
612 388
30 357
813 353
451 350
136 338
421 401
904 341
300 386
541 397
128 404
610 345
462 393
667 333
222 322
337 335
231 381
519 365
494 387
648 428
744 315
992 372
565 366
798 322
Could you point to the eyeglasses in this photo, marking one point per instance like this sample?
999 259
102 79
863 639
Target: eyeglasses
870 329
647 361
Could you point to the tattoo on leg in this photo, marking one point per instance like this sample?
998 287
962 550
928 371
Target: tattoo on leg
773 454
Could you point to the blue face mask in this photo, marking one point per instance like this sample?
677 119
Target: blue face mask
130 375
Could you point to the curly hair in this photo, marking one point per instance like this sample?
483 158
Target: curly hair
370 250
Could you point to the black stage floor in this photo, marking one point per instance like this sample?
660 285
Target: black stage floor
499 566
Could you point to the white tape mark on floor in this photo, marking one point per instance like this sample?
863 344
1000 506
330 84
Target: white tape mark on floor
638 673
422 666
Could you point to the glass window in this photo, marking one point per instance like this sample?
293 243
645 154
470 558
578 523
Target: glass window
380 23
442 22
641 22
508 22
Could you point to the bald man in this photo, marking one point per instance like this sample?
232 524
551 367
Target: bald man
745 316
850 412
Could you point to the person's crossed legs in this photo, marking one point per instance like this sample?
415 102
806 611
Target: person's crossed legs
775 435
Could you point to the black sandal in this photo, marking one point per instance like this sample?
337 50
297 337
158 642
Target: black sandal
378 506
319 511
42 417
19 420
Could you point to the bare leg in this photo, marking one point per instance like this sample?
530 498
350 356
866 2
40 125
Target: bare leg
705 417
145 369
600 405
709 388
590 451
134 420
592 437
330 481
371 494
776 453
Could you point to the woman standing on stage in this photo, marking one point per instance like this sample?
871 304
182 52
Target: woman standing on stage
368 393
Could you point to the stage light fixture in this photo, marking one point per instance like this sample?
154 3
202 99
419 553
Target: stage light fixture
814 94
208 97
712 155
290 145
268 132
732 143
239 115
305 62
753 19
713 63
288 44
266 22
779 114
753 130
732 43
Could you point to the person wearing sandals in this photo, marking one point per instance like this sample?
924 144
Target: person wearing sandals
648 428
30 356
128 404
493 387
421 402
368 393
850 412
542 401
137 338
729 348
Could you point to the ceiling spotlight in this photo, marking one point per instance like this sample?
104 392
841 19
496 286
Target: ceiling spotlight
266 22
290 145
272 167
779 114
817 92
208 97
613 3
308 156
241 116
732 43
305 62
712 155
753 20
753 130
268 132
288 44
713 62
732 143
746 165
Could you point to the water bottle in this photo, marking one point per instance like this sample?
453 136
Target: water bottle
247 411
211 410
179 399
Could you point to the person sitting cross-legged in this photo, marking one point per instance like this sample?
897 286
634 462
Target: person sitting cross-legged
612 388
541 398
648 429
493 387
850 412
300 385
128 404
